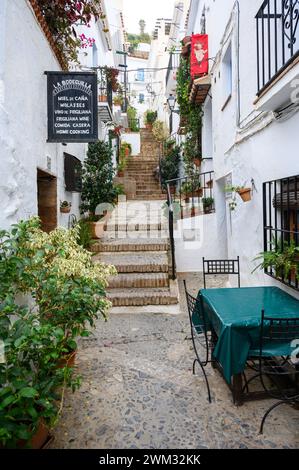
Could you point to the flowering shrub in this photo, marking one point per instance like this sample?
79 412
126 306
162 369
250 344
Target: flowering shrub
68 291
62 16
160 131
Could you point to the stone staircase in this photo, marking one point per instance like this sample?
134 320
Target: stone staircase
136 243
141 168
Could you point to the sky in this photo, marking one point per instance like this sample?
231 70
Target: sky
148 10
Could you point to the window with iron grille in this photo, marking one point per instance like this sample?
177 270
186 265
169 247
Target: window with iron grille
281 230
72 173
277 34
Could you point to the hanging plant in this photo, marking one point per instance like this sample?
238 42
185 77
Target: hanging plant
62 17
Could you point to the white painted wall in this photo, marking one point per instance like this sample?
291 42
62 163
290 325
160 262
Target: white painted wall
23 131
254 146
132 138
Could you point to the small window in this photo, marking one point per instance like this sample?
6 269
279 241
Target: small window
95 61
140 75
141 98
72 173
227 75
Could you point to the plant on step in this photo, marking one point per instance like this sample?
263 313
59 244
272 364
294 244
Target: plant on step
160 131
150 117
126 149
170 165
119 191
132 119
207 203
97 178
84 234
32 382
192 186
283 258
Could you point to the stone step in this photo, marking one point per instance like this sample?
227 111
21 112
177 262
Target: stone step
157 197
139 281
135 244
140 236
134 262
123 227
131 297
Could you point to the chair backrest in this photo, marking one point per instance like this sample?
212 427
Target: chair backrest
278 330
195 311
221 266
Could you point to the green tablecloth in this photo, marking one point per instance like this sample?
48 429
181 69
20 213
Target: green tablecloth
235 315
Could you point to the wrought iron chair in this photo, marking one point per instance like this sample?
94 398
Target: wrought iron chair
282 371
221 266
199 334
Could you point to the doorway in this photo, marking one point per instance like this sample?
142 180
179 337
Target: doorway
47 200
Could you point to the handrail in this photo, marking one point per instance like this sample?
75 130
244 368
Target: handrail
198 186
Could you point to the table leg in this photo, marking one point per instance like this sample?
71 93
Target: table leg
214 340
237 389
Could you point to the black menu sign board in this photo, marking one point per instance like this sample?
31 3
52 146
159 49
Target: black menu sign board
72 107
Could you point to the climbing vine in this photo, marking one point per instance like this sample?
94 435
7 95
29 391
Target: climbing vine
191 116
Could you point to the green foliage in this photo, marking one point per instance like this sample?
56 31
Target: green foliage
283 259
97 177
85 238
191 115
150 116
132 118
67 293
170 164
160 131
207 201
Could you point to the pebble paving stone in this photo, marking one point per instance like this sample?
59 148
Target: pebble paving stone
139 392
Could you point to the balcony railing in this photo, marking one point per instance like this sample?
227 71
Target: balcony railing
277 39
174 63
188 197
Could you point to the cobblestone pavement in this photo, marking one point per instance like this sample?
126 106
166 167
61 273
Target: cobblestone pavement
139 392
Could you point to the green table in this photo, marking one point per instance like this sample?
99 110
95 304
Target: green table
235 317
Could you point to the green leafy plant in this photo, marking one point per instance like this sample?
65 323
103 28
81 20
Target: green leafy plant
67 293
207 203
132 119
150 116
84 237
282 257
170 165
65 204
97 178
32 383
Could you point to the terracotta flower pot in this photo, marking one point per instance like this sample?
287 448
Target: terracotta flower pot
103 98
67 360
245 194
120 174
196 162
65 210
127 152
39 439
149 126
97 229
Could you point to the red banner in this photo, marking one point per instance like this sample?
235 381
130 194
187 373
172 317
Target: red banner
199 55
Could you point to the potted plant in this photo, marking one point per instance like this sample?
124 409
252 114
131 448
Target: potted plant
244 193
208 203
150 117
126 149
170 166
192 189
284 259
97 184
65 207
59 274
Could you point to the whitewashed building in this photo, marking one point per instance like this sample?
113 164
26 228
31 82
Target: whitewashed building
32 169
250 129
